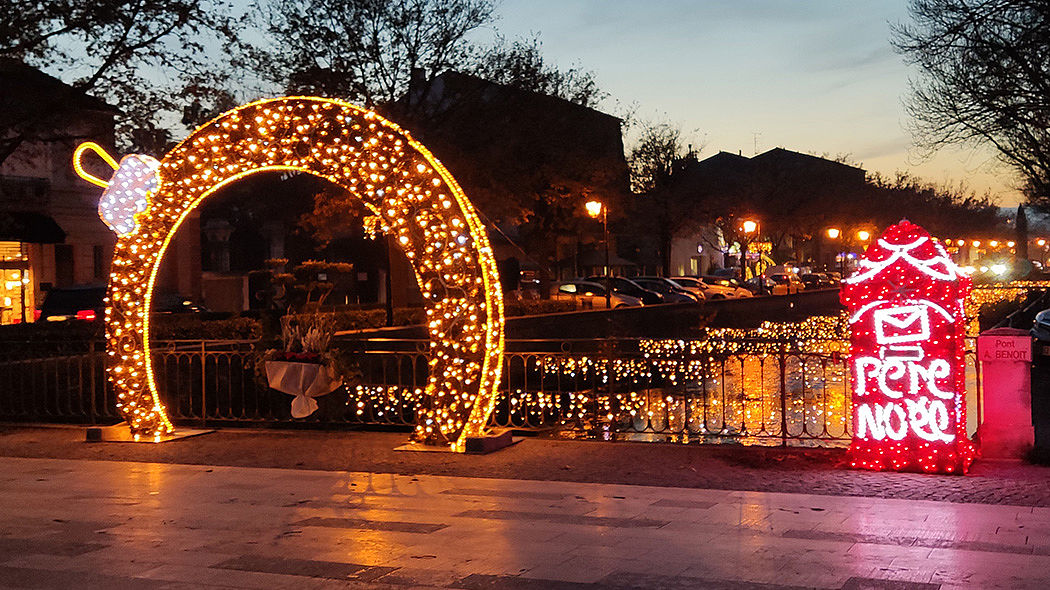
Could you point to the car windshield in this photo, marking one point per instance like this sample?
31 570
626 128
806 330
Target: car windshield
686 282
619 284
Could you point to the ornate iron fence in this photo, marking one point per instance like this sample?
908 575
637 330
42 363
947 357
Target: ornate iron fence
752 391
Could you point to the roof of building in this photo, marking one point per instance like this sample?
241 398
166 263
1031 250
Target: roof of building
24 83
507 145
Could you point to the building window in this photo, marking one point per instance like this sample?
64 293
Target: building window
99 261
64 276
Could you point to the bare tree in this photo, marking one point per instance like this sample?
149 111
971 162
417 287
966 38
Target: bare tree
984 79
653 162
138 55
363 50
520 64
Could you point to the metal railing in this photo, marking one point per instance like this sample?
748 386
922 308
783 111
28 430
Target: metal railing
607 389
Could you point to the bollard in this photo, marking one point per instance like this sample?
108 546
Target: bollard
1006 383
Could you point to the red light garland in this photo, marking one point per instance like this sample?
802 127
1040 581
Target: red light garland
907 330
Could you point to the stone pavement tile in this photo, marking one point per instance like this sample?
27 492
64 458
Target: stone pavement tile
72 580
962 574
762 574
631 581
495 582
860 583
908 570
231 578
512 494
311 568
886 553
912 541
420 576
675 503
129 566
593 568
12 546
372 525
603 521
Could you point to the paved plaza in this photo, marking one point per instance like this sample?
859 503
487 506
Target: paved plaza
109 524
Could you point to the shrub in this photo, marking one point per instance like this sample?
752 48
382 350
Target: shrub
523 307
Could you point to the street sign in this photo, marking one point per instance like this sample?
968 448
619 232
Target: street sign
1016 349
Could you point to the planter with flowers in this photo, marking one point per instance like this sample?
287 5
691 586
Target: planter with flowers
304 368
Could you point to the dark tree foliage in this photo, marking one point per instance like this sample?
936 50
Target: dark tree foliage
659 209
145 57
796 197
520 64
364 51
498 117
947 212
984 80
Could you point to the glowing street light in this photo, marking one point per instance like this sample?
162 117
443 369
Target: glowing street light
1040 242
594 209
750 226
833 233
976 243
864 235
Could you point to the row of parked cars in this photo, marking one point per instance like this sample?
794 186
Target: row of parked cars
649 290
88 303
590 292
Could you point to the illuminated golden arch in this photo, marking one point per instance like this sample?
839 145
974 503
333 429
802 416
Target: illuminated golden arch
412 194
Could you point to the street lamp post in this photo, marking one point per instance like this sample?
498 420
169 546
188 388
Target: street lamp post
594 209
750 227
862 236
834 233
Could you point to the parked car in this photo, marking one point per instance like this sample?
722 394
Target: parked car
629 287
590 295
175 303
74 303
816 280
726 273
760 285
729 287
1041 327
786 284
671 290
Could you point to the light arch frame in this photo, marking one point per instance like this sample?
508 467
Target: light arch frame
413 196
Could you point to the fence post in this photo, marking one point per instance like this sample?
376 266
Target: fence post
204 387
783 399
93 379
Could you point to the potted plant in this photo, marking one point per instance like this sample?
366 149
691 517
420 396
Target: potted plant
304 368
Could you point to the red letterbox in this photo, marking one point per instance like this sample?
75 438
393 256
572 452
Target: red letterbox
907 331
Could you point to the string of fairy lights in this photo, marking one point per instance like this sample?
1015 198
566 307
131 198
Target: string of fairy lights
411 196
726 382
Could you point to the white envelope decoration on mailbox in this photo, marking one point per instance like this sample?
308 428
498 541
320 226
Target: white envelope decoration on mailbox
896 325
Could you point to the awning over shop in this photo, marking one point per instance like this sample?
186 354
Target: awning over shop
31 227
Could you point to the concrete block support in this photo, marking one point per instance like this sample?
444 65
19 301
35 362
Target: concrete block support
1006 381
